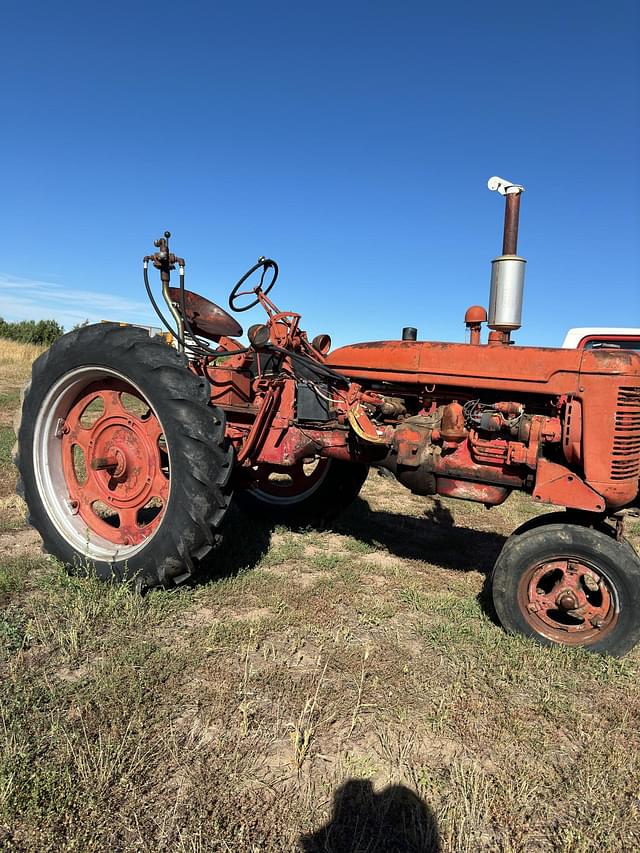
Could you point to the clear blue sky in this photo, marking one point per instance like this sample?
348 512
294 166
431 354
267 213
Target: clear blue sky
351 141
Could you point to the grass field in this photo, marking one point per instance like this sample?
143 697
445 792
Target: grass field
343 691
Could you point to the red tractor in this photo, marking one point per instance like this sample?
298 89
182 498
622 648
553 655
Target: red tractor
130 450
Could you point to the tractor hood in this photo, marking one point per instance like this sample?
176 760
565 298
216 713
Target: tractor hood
529 369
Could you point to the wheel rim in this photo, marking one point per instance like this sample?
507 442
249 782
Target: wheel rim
101 463
291 485
568 600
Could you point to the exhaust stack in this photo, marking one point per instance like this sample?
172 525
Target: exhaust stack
507 270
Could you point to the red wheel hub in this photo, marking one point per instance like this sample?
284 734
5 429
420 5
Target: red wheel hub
114 463
567 601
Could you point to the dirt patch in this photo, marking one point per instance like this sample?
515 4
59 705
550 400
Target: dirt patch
384 560
201 617
377 581
253 614
71 674
296 575
18 543
6 417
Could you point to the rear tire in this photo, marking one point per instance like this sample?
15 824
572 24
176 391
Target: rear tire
327 493
160 488
569 585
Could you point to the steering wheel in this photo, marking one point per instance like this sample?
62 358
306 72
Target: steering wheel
264 263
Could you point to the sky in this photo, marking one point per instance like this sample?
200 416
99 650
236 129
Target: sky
350 141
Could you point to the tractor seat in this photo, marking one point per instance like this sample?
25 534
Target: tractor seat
205 317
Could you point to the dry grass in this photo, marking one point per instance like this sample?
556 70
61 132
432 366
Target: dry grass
15 361
15 365
12 352
343 691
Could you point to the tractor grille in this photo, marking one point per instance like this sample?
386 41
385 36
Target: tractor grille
625 462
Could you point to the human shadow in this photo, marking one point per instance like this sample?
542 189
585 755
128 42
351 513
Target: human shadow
430 537
394 820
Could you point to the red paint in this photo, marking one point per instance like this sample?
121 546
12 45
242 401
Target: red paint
123 464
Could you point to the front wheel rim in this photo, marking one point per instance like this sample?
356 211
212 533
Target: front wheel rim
103 477
568 600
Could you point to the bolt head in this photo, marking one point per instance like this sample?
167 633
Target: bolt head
567 601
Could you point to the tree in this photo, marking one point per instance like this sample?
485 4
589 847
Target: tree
42 332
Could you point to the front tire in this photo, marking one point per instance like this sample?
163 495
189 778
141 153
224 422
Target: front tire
569 585
122 461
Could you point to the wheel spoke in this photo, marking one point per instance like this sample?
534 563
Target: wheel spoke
152 427
72 420
90 495
112 405
541 603
130 532
88 492
162 488
128 517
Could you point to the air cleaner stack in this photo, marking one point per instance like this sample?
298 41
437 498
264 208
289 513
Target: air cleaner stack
507 270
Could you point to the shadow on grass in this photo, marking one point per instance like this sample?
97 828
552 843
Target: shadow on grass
245 541
432 537
395 819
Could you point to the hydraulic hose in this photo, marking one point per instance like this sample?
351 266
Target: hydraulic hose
153 302
311 364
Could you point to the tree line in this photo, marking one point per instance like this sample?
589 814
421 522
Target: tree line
40 332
